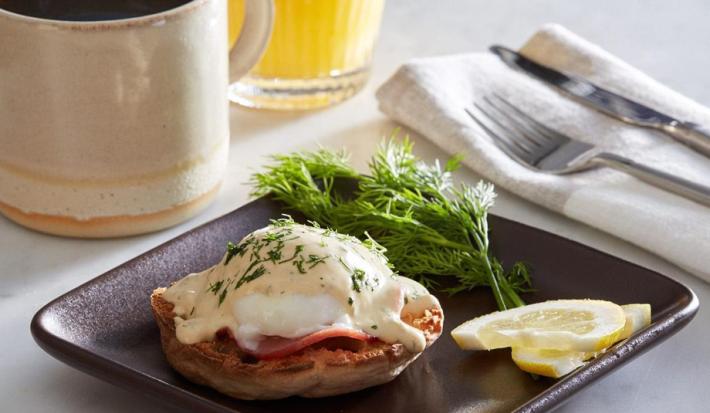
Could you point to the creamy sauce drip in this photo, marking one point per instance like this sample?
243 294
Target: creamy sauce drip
290 280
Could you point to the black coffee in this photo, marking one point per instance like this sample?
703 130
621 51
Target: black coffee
88 10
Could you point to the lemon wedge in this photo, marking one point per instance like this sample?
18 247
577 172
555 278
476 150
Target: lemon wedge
555 363
567 325
638 316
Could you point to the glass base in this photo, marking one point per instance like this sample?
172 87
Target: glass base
297 94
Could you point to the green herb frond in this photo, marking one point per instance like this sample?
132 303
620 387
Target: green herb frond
285 221
430 229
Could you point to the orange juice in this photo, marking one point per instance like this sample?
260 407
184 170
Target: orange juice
235 13
319 52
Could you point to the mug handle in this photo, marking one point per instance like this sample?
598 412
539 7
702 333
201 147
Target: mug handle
252 41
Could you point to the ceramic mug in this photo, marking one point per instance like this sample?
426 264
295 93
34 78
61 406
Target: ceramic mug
118 127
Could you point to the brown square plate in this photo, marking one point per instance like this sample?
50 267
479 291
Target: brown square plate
105 327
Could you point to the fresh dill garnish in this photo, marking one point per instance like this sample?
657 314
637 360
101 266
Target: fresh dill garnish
358 278
275 254
430 228
274 236
232 251
374 326
215 287
373 245
350 301
285 221
343 263
252 266
236 249
314 260
258 272
222 295
297 251
298 262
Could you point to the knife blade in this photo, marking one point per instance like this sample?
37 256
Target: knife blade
691 134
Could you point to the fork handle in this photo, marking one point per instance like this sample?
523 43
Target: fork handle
672 183
690 134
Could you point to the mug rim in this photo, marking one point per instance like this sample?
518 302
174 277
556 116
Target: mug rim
89 25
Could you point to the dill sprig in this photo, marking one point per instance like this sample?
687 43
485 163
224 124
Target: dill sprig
429 227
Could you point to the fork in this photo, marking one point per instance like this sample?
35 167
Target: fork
542 149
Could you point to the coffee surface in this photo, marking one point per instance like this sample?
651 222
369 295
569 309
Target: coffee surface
88 10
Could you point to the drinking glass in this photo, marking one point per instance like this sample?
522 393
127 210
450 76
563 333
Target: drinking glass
319 53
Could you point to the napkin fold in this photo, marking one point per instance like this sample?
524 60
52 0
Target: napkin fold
429 96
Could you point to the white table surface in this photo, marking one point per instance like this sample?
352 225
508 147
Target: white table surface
670 40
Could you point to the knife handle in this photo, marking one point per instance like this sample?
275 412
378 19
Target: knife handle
672 183
690 134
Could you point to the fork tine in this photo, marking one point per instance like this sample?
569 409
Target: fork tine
544 131
523 130
512 150
508 132
528 141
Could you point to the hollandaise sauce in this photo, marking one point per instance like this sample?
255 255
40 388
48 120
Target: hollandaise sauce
290 281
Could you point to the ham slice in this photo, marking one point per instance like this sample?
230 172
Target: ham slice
272 347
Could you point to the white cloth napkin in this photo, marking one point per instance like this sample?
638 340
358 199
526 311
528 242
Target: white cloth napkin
429 95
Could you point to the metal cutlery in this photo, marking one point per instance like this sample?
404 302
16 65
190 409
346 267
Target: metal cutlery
610 103
543 149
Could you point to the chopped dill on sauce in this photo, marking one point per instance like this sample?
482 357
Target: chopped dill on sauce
357 277
314 260
299 264
347 267
234 250
286 221
258 272
296 252
215 287
274 255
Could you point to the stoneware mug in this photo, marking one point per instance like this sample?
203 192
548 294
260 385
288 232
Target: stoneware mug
118 127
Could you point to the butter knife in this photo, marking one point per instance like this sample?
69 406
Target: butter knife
610 103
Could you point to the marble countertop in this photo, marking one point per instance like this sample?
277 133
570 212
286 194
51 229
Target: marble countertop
668 40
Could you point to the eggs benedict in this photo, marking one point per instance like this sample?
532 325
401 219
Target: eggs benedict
295 310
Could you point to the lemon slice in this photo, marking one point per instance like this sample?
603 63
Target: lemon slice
549 363
638 316
555 363
571 325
